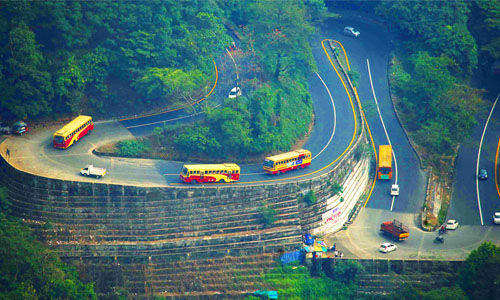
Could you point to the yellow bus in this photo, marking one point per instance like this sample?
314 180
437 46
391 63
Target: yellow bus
227 172
384 168
287 161
73 131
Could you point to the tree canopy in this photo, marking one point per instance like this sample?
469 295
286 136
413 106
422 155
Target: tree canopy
28 270
96 56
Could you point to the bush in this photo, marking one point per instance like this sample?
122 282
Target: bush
4 202
267 216
347 270
336 188
310 198
133 148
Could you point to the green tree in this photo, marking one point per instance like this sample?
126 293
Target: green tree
27 90
197 140
267 215
480 275
231 129
28 270
310 198
4 201
279 35
439 27
133 148
161 84
440 109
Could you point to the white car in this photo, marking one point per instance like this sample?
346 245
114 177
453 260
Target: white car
395 190
496 217
451 224
348 30
387 247
235 92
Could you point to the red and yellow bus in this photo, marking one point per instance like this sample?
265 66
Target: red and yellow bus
384 168
287 161
227 172
72 132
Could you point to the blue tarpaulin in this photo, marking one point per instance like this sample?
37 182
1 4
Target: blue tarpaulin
268 294
308 239
292 256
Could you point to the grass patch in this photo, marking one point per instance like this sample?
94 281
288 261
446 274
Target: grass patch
295 282
443 211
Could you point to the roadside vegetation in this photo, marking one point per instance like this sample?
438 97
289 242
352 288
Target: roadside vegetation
475 280
29 270
296 282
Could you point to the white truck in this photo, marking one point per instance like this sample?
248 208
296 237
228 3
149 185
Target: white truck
90 170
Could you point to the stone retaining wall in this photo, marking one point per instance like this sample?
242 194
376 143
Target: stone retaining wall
145 239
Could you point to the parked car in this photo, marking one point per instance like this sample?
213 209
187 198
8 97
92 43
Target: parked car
483 174
387 247
19 128
90 170
395 190
349 31
496 217
451 224
4 129
235 92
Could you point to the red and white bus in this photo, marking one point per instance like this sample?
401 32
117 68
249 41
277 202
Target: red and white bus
72 132
210 173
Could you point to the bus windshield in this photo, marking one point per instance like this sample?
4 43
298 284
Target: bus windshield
184 171
58 139
268 163
385 170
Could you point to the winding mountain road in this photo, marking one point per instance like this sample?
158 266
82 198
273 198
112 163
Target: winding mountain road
334 126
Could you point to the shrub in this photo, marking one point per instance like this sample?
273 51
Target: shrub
4 201
267 215
347 270
310 198
133 148
336 188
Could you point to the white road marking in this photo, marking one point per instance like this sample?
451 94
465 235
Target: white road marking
479 156
385 130
334 117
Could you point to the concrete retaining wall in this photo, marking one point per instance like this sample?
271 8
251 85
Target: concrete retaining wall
139 237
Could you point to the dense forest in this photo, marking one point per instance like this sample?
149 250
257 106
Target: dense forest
103 57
